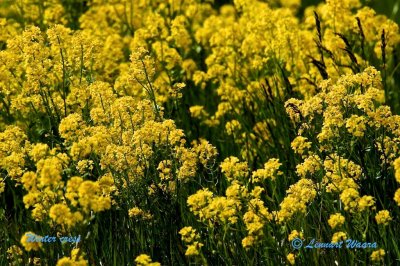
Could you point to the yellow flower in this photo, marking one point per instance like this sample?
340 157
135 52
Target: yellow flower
35 261
61 214
232 127
189 234
14 254
236 191
50 169
397 197
291 258
298 196
15 250
2 186
31 241
164 168
292 107
300 145
29 181
270 171
365 202
248 242
84 166
338 236
179 33
356 125
222 209
383 217
336 220
72 189
91 198
39 151
197 111
295 234
71 127
145 260
233 169
350 198
136 212
257 191
199 200
194 249
378 255
142 65
205 151
396 164
76 259
311 165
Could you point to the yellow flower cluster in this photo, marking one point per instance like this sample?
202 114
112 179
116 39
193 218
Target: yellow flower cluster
397 176
14 255
138 213
300 145
397 197
270 171
30 245
206 153
76 258
233 169
214 209
93 97
340 173
291 258
383 217
88 100
12 151
61 214
145 260
255 220
295 234
298 196
339 236
46 192
339 96
336 220
354 203
396 164
356 125
235 37
199 201
352 110
378 255
310 166
191 238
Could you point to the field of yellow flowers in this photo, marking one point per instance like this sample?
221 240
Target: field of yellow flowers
199 132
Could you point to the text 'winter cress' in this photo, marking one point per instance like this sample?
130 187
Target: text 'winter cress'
52 239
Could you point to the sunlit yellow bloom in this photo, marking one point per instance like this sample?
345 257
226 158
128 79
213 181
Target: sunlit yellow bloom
397 196
30 241
76 258
295 234
270 171
291 258
339 236
378 255
233 168
145 260
336 220
383 217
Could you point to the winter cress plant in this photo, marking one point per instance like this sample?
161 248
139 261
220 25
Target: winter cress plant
195 132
